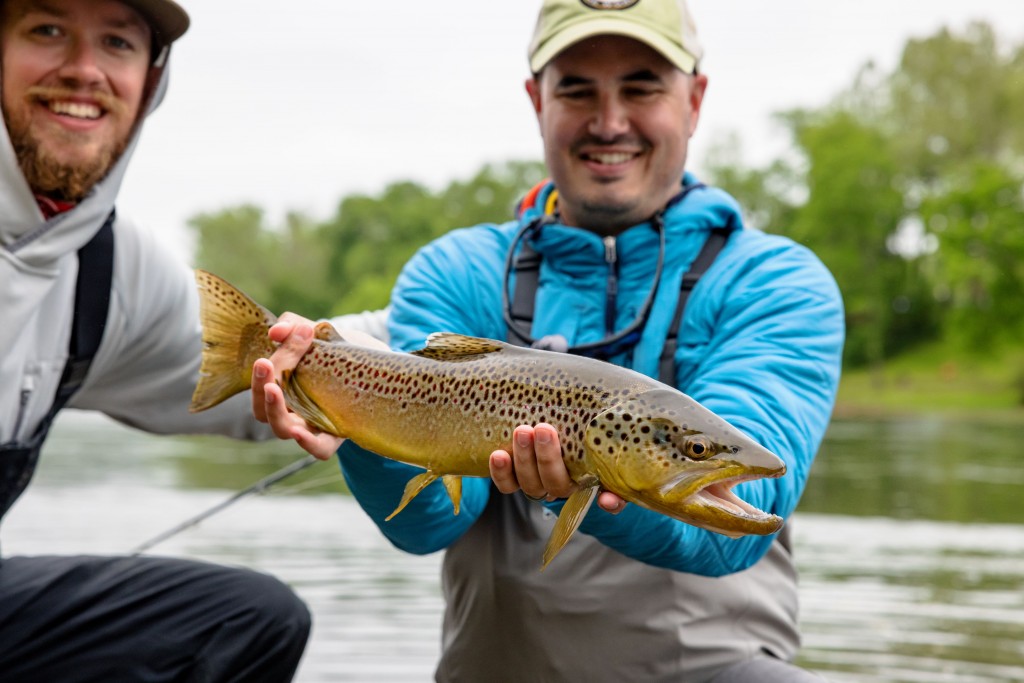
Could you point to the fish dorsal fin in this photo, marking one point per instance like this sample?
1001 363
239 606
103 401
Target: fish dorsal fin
325 332
451 347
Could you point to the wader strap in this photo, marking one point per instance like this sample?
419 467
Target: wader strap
712 246
527 270
92 302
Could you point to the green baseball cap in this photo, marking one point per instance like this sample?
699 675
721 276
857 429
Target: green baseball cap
168 19
664 25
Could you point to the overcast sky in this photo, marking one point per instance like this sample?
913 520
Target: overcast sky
292 105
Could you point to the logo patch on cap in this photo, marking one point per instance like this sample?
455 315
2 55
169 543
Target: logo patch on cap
609 4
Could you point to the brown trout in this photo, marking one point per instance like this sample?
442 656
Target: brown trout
446 407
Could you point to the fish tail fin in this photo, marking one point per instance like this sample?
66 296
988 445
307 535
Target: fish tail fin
234 336
573 512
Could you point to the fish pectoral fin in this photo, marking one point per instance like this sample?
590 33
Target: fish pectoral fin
412 489
300 402
453 484
451 347
573 512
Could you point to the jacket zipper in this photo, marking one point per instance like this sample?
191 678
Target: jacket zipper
612 288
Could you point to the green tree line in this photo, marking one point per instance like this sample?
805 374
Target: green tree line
908 185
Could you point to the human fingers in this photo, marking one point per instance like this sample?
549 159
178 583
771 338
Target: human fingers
317 443
502 472
554 475
524 461
280 330
288 425
609 502
292 347
262 372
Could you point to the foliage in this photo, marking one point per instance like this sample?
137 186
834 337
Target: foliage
349 262
912 184
370 238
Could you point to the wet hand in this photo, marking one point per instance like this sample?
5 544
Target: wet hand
536 467
294 335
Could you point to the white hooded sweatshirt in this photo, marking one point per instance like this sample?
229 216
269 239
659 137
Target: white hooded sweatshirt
148 361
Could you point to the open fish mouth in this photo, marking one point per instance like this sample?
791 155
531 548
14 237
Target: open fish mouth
716 507
719 495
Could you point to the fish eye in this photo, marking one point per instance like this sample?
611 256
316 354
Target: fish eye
698 447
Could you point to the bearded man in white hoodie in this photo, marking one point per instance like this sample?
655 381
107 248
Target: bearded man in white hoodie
96 316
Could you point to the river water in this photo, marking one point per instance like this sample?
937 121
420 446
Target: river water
909 540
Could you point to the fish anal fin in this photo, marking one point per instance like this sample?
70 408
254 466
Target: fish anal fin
453 484
412 489
448 346
573 512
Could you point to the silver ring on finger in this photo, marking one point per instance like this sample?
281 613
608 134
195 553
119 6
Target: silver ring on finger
536 499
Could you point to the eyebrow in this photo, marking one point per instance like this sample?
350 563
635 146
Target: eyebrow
132 18
641 75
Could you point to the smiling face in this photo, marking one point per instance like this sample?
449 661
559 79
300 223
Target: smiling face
616 118
74 75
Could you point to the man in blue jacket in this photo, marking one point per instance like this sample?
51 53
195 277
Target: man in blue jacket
595 264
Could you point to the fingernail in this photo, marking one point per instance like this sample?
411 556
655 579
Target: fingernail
523 439
542 436
260 372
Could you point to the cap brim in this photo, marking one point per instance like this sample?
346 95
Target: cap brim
167 18
601 27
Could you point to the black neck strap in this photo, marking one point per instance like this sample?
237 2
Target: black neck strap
92 302
712 246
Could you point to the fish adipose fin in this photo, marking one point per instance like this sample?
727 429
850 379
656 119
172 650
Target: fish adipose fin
234 337
573 512
447 346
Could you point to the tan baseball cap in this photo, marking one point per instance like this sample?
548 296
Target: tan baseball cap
665 25
168 19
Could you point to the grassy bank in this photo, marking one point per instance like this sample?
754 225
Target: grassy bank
937 379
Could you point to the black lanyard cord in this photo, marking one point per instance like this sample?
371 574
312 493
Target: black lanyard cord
527 264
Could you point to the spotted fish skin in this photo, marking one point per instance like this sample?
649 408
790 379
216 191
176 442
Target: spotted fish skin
446 407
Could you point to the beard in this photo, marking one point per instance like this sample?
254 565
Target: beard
50 176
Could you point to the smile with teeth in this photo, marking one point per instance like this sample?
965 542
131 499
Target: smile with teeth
610 158
78 110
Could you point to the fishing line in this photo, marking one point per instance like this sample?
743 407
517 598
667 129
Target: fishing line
311 483
258 487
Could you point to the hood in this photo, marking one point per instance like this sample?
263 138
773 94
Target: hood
27 240
580 253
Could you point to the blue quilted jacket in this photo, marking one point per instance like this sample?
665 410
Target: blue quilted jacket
760 344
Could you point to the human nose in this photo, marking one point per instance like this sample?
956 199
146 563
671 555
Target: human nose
611 118
81 65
